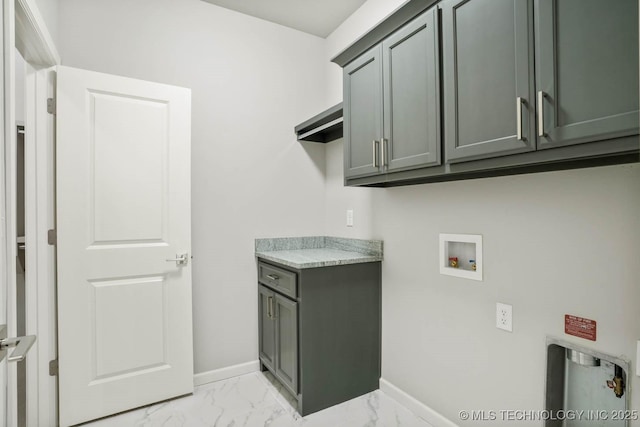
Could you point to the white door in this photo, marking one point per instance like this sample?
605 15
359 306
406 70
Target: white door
123 218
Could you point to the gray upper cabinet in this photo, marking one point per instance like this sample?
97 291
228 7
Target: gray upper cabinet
412 95
517 86
488 78
363 114
392 102
586 70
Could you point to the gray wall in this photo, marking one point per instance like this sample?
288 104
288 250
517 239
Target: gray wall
252 82
49 11
554 243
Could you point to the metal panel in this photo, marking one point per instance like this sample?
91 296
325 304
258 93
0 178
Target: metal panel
587 70
362 113
488 65
286 318
411 94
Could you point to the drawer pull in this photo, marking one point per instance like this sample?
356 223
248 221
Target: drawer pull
273 276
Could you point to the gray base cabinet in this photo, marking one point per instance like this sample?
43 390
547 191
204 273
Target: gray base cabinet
322 343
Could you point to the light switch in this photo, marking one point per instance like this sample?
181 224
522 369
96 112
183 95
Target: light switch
349 217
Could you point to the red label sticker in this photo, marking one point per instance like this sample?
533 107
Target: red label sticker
580 327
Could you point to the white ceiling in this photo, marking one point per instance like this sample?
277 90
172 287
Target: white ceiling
318 17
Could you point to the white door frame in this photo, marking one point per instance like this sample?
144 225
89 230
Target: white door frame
9 181
34 42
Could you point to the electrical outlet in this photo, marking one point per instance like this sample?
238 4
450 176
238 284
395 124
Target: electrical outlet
349 217
504 317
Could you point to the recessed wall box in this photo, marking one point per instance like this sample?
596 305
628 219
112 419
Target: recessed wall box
461 255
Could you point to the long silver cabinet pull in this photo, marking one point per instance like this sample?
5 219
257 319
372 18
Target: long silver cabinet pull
269 303
273 276
541 96
519 102
383 151
375 153
272 315
21 344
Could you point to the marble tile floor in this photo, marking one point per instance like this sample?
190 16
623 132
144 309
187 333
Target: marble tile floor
257 400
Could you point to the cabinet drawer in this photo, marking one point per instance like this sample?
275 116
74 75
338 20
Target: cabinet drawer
281 280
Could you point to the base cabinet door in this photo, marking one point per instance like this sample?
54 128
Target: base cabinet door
286 320
586 70
488 78
267 327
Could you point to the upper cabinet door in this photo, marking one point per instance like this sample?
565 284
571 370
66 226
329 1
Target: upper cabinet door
363 114
488 78
586 70
411 95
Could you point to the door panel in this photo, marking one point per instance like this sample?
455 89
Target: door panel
488 65
267 339
130 206
287 342
123 210
411 94
363 114
587 66
118 304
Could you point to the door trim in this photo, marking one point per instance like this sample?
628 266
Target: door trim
33 40
32 36
9 203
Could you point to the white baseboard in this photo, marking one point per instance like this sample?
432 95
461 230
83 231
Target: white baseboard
420 409
224 373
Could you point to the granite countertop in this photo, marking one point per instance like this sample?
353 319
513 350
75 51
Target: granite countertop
318 251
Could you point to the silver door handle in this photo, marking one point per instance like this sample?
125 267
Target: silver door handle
270 307
383 150
180 259
541 96
375 154
22 345
519 102
273 314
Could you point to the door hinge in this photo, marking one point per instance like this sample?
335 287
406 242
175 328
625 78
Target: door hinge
53 368
52 237
51 106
